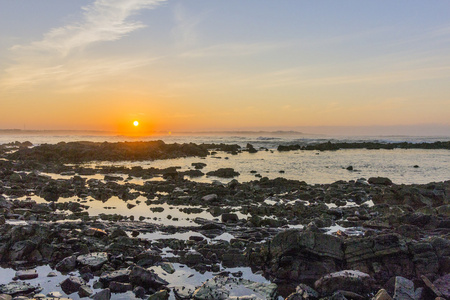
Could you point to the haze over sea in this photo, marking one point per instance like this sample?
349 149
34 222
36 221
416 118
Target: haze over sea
402 166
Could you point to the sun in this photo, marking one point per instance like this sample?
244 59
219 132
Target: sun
136 123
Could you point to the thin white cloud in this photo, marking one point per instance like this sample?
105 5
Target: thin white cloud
56 57
102 21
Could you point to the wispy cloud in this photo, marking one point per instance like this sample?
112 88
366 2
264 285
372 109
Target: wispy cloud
185 32
55 56
104 20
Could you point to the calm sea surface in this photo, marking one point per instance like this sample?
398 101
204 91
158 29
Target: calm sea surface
310 166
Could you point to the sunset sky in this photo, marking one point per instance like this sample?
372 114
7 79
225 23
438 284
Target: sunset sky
181 65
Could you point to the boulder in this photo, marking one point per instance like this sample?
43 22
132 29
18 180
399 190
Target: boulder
229 217
72 284
66 265
348 280
404 290
223 173
146 278
93 260
380 180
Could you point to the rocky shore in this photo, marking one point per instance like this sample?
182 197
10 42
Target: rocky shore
363 239
329 146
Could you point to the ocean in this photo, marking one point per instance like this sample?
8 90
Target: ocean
402 166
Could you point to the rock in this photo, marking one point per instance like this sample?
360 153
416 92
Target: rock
209 198
55 294
251 149
444 210
139 292
431 286
97 232
85 291
17 288
303 291
221 287
160 295
198 165
118 232
66 265
93 260
304 256
380 180
146 278
229 217
382 295
27 274
193 258
348 280
112 178
148 258
118 276
102 295
292 240
72 284
404 289
5 297
120 287
443 285
21 249
168 267
223 173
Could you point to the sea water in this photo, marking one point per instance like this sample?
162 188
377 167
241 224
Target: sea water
402 166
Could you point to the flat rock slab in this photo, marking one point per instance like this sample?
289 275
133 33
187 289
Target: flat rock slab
221 287
27 274
16 288
94 260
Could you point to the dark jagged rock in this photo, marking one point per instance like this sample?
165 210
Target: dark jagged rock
71 285
224 173
146 278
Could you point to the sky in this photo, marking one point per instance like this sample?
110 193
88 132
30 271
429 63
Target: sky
206 65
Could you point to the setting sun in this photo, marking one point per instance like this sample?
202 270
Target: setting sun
136 123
